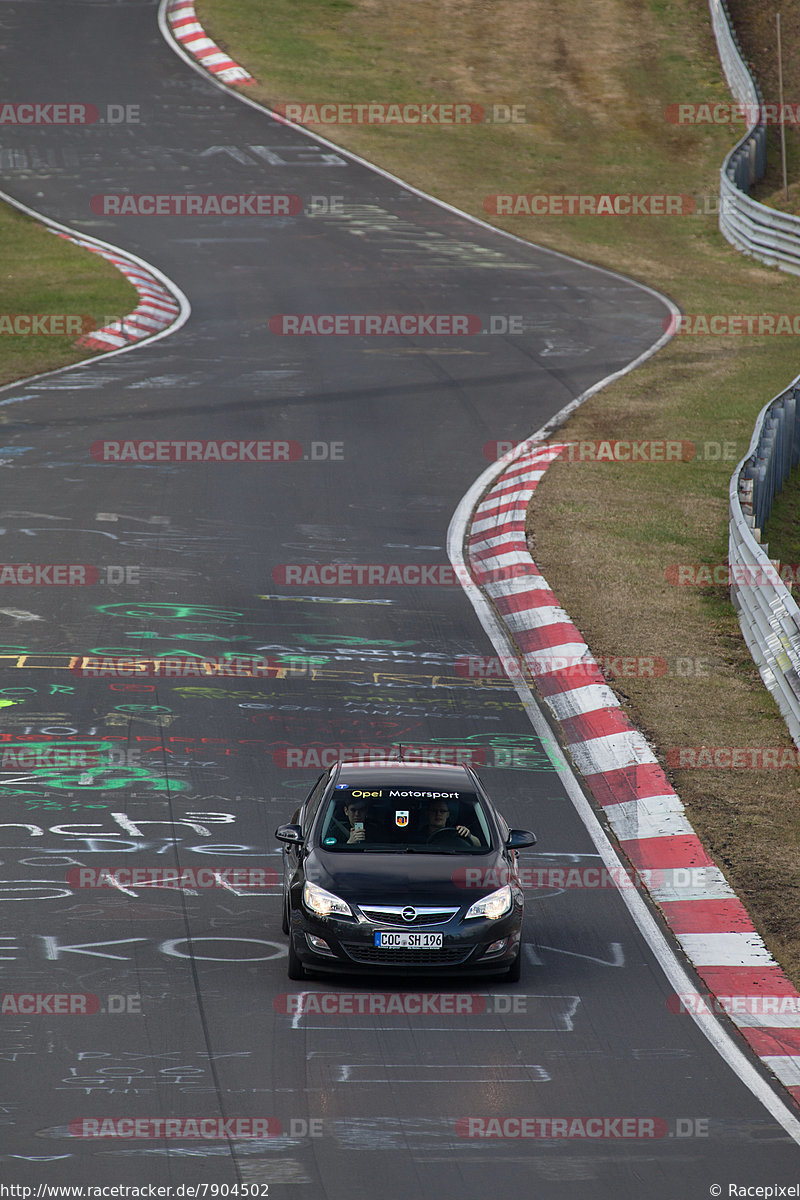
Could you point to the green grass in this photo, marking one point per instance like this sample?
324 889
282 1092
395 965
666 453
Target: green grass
43 273
782 531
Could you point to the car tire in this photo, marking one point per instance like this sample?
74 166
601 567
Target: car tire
285 916
295 969
514 972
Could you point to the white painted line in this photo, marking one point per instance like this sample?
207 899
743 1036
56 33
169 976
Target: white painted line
102 335
186 30
638 819
574 651
538 616
581 700
704 883
718 1035
517 586
612 752
726 949
106 250
765 1020
786 1067
507 558
479 548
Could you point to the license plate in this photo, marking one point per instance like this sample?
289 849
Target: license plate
408 941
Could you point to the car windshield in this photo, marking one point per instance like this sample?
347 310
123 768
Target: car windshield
385 819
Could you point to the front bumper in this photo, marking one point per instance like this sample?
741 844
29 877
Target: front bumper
352 950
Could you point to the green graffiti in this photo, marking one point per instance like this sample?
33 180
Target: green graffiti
71 765
113 651
140 652
106 779
7 791
174 652
534 759
298 661
171 612
138 708
516 751
214 693
61 804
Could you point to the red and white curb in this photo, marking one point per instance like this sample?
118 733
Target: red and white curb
623 774
156 311
189 32
717 1035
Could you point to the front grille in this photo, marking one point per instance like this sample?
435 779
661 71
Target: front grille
405 958
393 916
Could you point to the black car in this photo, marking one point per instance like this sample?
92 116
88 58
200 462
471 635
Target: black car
395 866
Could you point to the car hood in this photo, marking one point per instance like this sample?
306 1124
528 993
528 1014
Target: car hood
408 878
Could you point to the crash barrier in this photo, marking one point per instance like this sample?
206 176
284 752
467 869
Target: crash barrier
760 588
766 234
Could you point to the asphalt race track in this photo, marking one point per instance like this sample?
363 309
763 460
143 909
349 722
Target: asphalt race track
195 1016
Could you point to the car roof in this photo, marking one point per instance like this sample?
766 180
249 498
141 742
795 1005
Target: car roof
447 775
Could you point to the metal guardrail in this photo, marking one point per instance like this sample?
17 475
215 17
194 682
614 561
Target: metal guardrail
768 615
772 237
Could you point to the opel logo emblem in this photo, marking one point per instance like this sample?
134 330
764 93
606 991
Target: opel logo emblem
409 914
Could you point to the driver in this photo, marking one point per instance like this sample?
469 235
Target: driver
436 818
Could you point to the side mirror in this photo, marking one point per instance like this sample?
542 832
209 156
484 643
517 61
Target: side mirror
518 839
292 834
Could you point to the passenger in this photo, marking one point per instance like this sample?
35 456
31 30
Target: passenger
436 817
352 830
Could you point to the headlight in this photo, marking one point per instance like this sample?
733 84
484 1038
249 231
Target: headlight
493 906
323 903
